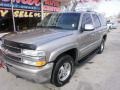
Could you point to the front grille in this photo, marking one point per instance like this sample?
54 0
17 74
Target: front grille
12 49
10 46
10 57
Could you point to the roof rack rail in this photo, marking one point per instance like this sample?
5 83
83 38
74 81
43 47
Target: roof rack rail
89 11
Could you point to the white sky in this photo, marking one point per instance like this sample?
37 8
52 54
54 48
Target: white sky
109 8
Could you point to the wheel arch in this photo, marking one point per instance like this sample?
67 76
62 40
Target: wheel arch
105 37
72 51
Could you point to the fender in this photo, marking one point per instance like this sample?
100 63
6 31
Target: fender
61 50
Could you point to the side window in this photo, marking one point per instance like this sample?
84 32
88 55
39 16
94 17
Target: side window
86 20
103 20
96 21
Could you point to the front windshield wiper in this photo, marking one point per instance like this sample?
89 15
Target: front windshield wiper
41 26
54 27
57 27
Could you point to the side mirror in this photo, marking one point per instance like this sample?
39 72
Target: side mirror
89 27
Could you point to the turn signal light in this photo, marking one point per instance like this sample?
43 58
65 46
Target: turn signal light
40 63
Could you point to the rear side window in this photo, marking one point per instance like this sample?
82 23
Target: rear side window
86 20
96 21
103 20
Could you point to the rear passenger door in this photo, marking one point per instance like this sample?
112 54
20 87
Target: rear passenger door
98 29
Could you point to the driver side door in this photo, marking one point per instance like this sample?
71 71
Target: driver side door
86 38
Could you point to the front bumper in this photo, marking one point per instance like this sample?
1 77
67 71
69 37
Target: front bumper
35 74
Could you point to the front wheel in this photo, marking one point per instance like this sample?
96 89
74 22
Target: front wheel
63 70
101 47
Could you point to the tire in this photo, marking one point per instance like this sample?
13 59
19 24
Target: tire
101 47
60 75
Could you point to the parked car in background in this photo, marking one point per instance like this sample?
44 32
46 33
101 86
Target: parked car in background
50 51
1 35
118 21
114 26
111 25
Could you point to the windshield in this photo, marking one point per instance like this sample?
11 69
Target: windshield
67 21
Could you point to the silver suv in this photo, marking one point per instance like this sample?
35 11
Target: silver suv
50 51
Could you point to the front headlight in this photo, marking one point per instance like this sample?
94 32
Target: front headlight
34 57
33 53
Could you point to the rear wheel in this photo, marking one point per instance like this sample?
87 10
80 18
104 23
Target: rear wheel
63 70
102 46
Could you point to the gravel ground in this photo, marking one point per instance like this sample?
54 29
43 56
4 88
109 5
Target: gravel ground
98 72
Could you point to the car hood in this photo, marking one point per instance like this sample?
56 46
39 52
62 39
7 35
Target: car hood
38 36
2 34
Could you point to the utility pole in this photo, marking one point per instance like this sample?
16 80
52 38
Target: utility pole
42 11
13 18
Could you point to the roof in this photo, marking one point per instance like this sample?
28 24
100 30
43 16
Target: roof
63 0
93 12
